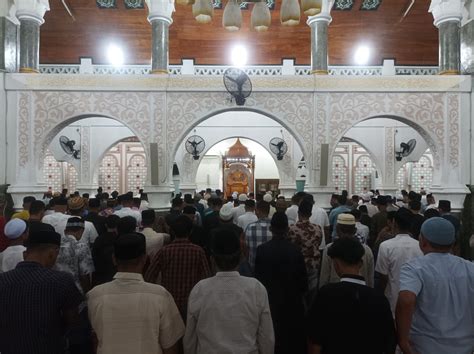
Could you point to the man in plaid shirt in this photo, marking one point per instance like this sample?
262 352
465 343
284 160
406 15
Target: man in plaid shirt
180 264
258 232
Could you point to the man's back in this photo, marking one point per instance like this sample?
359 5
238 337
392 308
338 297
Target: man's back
229 313
443 321
33 300
257 233
349 317
392 255
131 316
181 265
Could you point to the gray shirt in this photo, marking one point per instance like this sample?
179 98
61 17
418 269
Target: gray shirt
443 322
229 314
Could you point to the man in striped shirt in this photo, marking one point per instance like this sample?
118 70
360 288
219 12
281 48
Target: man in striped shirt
258 232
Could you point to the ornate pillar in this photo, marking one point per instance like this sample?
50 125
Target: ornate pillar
30 14
467 39
447 16
8 37
319 43
159 16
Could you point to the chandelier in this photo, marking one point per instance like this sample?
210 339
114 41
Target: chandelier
260 18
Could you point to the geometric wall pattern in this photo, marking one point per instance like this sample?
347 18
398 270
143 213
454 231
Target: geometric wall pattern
416 176
59 175
339 173
136 173
109 173
363 174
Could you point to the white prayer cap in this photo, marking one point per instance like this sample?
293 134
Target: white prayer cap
267 198
365 197
226 212
234 195
14 228
242 197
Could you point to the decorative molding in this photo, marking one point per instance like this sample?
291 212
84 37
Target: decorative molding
134 4
106 4
218 4
453 123
85 155
390 177
343 5
370 5
23 128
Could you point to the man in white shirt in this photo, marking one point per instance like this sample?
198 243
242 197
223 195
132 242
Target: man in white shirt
371 208
16 231
292 211
129 315
126 210
362 230
394 253
212 327
249 217
59 218
240 209
154 240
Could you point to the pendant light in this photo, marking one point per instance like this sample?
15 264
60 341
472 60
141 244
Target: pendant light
203 11
311 7
232 17
261 17
290 13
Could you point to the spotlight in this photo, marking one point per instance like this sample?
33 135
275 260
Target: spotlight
239 55
362 55
115 55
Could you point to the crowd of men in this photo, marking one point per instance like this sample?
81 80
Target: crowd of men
243 274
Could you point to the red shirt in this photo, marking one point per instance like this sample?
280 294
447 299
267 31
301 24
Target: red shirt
182 265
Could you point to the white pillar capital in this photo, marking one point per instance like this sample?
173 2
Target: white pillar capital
160 10
446 10
321 17
31 9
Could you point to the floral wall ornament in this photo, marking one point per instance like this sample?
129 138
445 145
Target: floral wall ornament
370 5
343 5
134 4
106 4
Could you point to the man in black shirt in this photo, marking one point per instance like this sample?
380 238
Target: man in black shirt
103 250
37 304
350 317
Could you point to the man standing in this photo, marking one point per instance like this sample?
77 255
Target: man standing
76 207
240 209
435 308
126 210
59 218
16 231
211 325
94 217
180 264
341 208
346 229
379 220
249 216
394 253
279 265
258 232
292 211
444 208
132 316
37 304
154 240
345 312
24 214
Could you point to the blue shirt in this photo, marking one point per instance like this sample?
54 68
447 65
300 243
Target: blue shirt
333 217
443 322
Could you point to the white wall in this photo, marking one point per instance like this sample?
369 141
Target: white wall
210 168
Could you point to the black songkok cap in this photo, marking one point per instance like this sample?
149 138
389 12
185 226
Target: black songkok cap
225 242
129 246
279 221
94 202
43 237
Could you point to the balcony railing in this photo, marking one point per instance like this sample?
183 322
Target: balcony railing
188 68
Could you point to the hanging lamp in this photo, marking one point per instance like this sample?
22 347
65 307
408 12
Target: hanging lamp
203 11
311 7
260 18
290 13
232 17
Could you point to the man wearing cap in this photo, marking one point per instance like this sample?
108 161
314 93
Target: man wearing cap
348 316
444 209
240 208
280 267
341 208
126 210
16 230
249 217
211 326
346 228
38 305
435 308
269 199
394 253
94 217
74 256
180 265
129 315
75 208
258 232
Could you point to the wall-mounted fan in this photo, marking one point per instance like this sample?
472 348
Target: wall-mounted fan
68 146
279 147
238 84
195 145
405 149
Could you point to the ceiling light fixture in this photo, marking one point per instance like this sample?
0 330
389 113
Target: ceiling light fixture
232 17
115 55
239 55
362 55
261 18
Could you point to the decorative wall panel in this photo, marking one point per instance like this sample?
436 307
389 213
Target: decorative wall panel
109 173
363 174
136 173
339 174
416 176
